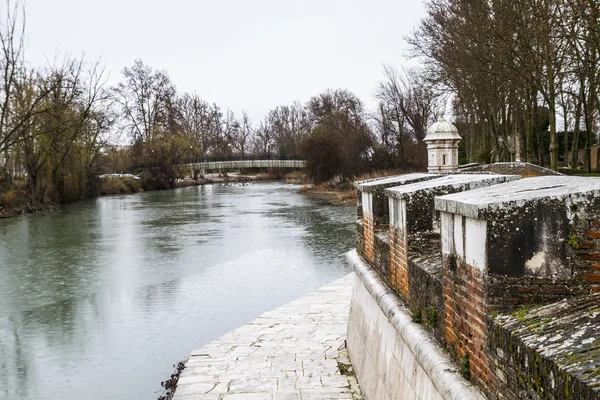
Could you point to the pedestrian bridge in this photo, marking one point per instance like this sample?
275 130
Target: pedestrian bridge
237 164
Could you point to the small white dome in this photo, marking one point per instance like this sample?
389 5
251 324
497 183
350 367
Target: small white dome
442 130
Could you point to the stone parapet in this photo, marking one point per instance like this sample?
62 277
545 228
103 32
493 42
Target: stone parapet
465 248
395 358
373 199
535 228
518 243
416 201
414 233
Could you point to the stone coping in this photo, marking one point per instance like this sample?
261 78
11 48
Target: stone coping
480 202
440 370
382 183
455 182
567 333
513 166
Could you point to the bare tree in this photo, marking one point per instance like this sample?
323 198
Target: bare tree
143 97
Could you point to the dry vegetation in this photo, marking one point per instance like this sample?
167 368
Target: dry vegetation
343 193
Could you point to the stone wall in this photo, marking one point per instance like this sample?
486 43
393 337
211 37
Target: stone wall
426 300
508 246
382 256
360 237
393 357
486 251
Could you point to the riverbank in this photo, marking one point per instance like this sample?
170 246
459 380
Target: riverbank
295 351
17 203
344 194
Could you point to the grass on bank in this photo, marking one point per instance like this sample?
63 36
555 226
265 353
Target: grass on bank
343 193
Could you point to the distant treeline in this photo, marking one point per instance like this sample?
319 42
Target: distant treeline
507 69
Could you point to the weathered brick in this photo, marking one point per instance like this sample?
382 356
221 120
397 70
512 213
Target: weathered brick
591 256
587 245
593 233
593 277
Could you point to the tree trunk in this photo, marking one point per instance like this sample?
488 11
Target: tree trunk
531 109
566 138
553 137
576 129
552 119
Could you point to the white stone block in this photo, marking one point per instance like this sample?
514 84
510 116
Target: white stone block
367 204
459 236
447 232
475 243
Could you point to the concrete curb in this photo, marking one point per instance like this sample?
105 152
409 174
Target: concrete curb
436 364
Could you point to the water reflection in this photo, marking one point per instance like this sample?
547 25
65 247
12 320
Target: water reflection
99 299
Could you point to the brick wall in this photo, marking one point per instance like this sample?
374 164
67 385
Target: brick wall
426 294
382 256
506 293
465 331
369 241
585 243
360 237
399 261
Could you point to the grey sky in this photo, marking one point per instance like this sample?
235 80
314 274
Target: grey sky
243 55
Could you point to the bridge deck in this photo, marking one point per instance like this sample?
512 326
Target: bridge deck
246 164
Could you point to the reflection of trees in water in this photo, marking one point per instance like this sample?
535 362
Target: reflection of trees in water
59 249
33 334
14 368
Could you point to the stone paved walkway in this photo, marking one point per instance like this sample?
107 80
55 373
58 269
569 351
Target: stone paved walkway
290 353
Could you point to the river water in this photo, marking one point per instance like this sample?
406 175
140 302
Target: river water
99 299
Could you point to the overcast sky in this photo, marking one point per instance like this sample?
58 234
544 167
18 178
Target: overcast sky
242 54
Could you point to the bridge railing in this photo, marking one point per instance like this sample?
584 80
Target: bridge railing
214 165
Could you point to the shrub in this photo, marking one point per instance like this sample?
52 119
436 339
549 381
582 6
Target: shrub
276 173
132 185
113 186
8 199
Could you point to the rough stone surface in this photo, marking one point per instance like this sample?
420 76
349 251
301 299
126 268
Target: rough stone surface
549 352
425 295
389 181
374 189
382 256
483 202
419 197
525 169
291 352
360 236
538 229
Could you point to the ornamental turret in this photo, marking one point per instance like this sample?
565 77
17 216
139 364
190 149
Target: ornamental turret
442 147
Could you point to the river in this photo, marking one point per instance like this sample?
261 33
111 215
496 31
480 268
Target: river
99 299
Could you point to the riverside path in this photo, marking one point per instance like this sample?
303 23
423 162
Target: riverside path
293 352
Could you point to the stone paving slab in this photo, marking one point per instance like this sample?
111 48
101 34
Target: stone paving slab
290 353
